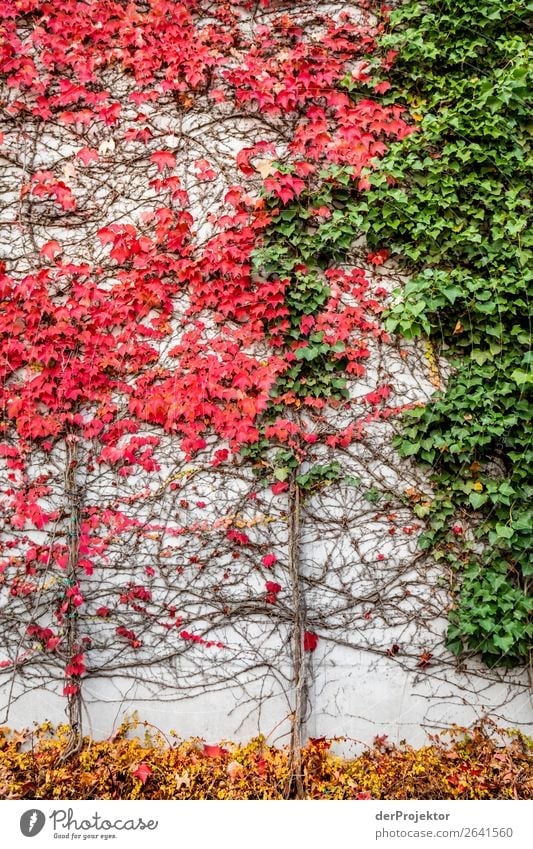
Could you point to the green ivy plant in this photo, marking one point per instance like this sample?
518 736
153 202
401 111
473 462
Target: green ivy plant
451 200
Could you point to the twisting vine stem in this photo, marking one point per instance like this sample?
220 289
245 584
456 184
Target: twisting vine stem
295 786
73 499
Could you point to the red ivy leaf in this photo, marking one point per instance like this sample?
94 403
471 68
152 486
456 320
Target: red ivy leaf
378 257
269 560
87 155
310 641
214 751
143 772
163 159
51 249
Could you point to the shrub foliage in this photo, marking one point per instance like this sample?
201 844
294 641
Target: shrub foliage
483 763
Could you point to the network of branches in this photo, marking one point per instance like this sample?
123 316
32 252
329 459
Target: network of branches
198 392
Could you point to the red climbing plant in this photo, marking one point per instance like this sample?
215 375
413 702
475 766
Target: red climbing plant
184 348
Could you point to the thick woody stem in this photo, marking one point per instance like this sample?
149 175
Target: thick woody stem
295 783
73 500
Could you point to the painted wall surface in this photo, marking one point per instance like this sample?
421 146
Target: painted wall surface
375 601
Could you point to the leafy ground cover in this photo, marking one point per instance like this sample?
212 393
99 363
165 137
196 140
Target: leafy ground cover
483 763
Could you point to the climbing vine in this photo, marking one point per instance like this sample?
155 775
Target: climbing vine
198 390
451 201
448 197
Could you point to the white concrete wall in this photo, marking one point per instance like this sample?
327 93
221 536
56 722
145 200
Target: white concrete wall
360 609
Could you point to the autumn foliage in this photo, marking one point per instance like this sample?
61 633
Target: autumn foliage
481 763
193 360
140 332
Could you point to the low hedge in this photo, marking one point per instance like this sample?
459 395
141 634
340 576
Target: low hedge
480 763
